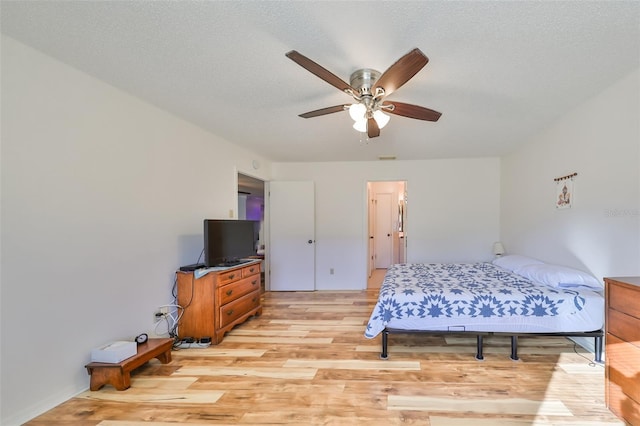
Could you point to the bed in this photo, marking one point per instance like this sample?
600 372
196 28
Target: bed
514 295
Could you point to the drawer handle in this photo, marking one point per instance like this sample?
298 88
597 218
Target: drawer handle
250 269
229 292
254 282
231 276
253 300
230 312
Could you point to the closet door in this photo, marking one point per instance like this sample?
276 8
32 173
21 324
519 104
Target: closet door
291 235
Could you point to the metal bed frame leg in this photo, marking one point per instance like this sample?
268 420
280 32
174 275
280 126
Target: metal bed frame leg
514 348
598 347
385 338
479 356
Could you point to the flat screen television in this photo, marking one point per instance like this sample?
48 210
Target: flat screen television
227 241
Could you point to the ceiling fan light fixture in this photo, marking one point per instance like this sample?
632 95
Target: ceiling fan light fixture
357 112
381 118
369 89
360 125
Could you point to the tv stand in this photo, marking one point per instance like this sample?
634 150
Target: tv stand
219 300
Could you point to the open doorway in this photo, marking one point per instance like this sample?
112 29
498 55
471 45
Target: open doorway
250 198
387 221
251 207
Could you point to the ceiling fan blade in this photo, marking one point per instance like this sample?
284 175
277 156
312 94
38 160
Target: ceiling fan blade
372 128
324 111
401 71
319 71
412 111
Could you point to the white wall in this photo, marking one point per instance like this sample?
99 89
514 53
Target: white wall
452 212
103 197
599 140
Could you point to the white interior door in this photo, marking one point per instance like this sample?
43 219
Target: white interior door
291 235
383 235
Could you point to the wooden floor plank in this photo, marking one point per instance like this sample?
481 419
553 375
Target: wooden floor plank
508 406
347 364
319 323
218 352
279 340
144 423
154 396
280 373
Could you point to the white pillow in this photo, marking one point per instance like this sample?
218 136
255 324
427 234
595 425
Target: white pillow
559 276
513 262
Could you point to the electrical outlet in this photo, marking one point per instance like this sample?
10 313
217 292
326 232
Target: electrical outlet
161 313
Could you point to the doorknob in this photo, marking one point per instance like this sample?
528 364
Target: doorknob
310 242
388 235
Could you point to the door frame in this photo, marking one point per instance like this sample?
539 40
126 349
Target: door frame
265 218
402 192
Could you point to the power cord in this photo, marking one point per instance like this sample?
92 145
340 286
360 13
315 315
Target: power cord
191 343
171 319
591 363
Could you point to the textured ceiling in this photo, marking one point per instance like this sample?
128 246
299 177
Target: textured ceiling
499 72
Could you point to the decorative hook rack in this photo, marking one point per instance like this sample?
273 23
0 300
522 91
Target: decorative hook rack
571 176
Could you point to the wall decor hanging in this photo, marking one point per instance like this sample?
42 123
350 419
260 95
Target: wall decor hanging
564 191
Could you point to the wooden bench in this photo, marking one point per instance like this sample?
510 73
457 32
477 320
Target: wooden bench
118 374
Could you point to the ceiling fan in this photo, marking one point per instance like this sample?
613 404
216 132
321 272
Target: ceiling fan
370 88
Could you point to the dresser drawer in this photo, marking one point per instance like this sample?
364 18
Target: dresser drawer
236 289
623 366
624 299
234 310
623 406
225 278
250 270
624 327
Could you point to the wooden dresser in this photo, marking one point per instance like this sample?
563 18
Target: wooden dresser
218 301
622 351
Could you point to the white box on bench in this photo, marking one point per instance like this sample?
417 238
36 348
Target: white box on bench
114 352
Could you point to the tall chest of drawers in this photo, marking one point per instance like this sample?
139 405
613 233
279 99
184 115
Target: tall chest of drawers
218 301
622 351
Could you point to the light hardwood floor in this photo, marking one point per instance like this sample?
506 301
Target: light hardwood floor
376 278
305 361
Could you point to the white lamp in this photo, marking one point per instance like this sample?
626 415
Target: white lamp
498 249
381 118
357 112
360 125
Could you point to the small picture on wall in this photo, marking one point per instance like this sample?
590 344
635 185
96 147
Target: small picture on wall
564 193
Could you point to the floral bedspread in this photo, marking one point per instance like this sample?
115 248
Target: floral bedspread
464 290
